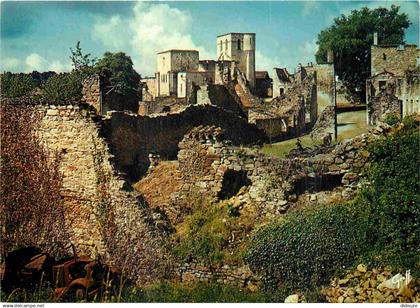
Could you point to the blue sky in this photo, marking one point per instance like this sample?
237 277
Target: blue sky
38 35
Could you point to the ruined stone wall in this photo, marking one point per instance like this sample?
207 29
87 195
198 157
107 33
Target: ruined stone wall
393 59
91 93
241 277
219 95
381 105
91 185
132 137
206 161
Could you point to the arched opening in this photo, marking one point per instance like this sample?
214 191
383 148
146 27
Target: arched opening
232 182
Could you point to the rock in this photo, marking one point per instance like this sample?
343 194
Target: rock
343 281
362 268
393 283
294 298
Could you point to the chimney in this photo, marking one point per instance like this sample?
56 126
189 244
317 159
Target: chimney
330 56
375 38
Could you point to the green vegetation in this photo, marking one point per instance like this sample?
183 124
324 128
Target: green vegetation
350 38
123 79
64 87
16 85
381 226
394 198
305 249
281 149
204 234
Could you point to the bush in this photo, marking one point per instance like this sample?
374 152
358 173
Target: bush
16 85
393 197
306 248
392 119
204 235
64 87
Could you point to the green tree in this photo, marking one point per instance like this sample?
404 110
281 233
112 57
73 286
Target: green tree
16 85
79 60
350 38
122 78
64 87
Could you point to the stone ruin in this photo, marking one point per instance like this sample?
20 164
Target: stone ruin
210 165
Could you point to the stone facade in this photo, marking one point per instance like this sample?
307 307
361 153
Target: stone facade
394 83
239 47
169 64
90 180
393 58
282 81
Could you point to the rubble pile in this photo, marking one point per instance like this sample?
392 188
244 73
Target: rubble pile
373 286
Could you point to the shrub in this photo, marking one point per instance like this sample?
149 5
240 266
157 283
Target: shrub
392 119
64 87
393 197
16 85
306 248
205 235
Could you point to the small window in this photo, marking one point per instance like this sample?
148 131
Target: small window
221 45
239 44
384 56
281 91
226 45
181 87
382 84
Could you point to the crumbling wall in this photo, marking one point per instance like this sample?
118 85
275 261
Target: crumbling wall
132 137
241 277
91 185
91 93
219 95
206 157
382 104
394 59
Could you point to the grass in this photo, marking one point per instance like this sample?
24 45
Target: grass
350 124
281 149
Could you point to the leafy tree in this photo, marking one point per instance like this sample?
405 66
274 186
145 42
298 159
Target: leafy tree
16 85
64 87
79 60
123 79
350 38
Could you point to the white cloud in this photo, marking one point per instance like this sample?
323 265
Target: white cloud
309 7
10 64
307 51
110 33
153 28
265 63
34 62
58 66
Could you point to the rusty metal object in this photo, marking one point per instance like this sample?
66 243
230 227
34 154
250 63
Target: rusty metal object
75 278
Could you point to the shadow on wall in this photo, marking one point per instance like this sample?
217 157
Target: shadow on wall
132 137
232 182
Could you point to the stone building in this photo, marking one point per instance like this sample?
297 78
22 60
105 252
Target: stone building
169 64
394 83
263 84
282 81
239 47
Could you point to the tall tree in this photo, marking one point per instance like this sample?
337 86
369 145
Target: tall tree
118 67
350 38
